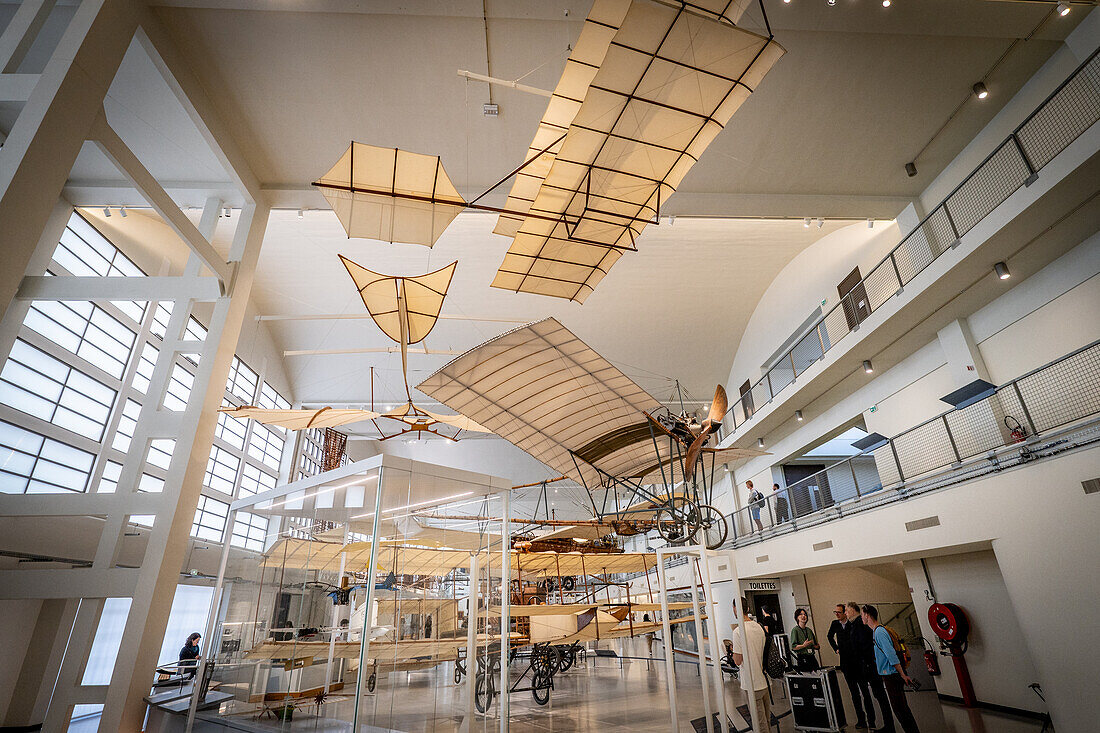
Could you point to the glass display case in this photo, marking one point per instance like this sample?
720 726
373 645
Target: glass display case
363 605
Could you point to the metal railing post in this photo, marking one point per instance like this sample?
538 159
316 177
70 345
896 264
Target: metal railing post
794 371
951 221
1023 406
1023 155
897 461
820 339
855 481
897 272
951 438
768 376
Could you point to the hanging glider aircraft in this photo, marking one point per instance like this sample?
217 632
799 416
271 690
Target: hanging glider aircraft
406 309
646 89
546 391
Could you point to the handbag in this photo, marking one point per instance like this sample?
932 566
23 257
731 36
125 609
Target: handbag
773 663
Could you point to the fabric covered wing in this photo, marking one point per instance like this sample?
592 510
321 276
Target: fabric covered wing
423 295
543 389
391 195
326 417
670 79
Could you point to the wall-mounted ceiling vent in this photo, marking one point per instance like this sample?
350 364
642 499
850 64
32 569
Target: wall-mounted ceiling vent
922 523
762 558
1092 486
823 545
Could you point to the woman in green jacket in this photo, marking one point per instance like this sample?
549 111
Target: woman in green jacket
803 642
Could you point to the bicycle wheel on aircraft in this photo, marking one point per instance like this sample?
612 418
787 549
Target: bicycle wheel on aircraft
713 527
540 688
483 693
677 520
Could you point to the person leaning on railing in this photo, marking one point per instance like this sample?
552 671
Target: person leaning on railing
756 503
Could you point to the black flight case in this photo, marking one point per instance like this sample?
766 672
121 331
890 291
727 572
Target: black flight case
815 701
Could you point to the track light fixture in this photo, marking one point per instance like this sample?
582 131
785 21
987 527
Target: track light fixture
820 223
867 366
107 211
806 222
760 443
227 212
122 211
870 223
1002 271
1063 9
301 215
910 169
798 415
980 91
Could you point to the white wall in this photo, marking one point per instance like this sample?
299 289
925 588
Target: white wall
1041 527
1000 666
799 288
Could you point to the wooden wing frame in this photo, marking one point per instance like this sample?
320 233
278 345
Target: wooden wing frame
648 88
391 195
325 417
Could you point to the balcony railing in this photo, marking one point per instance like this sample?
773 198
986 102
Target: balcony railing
1010 427
1062 117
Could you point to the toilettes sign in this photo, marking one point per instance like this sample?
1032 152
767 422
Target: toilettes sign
762 584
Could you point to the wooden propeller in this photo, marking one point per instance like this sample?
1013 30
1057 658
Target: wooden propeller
710 426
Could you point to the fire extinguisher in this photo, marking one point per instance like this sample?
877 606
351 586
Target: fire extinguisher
1016 430
931 659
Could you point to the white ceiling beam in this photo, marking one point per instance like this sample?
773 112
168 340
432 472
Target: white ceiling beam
64 583
17 87
21 31
129 165
387 350
198 105
44 287
361 316
505 83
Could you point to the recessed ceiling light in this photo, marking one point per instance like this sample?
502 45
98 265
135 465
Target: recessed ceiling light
980 91
1063 9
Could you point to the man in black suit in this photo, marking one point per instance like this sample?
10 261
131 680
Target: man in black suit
851 639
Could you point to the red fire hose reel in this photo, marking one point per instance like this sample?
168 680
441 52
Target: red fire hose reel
950 624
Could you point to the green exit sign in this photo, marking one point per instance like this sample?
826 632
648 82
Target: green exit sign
873 408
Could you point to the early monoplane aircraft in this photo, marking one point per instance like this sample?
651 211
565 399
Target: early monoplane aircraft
543 389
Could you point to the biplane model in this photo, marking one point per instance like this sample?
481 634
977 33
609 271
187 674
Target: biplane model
546 391
647 87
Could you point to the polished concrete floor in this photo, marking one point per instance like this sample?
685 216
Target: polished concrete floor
598 696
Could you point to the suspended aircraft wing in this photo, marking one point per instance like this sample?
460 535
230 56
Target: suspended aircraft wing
649 87
326 417
391 195
406 308
411 415
543 389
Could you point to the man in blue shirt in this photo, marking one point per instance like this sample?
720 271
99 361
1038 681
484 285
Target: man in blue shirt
890 669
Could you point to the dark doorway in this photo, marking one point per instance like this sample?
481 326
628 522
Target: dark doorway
746 398
853 296
807 496
282 616
769 601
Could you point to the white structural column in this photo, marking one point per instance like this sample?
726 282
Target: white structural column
50 129
372 570
505 604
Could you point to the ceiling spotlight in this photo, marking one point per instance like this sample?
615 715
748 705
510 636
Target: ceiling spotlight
1063 9
885 3
870 223
122 211
798 415
980 91
227 212
787 2
107 211
806 222
301 214
820 223
1002 271
867 366
760 443
910 169
830 3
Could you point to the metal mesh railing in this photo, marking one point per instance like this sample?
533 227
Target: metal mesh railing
1058 121
1053 396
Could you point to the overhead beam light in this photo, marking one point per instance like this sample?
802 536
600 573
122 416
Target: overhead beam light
798 415
806 222
122 211
820 223
107 211
301 214
1002 271
980 91
1063 9
910 169
867 366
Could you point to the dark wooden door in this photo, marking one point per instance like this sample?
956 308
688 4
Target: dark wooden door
746 398
853 297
